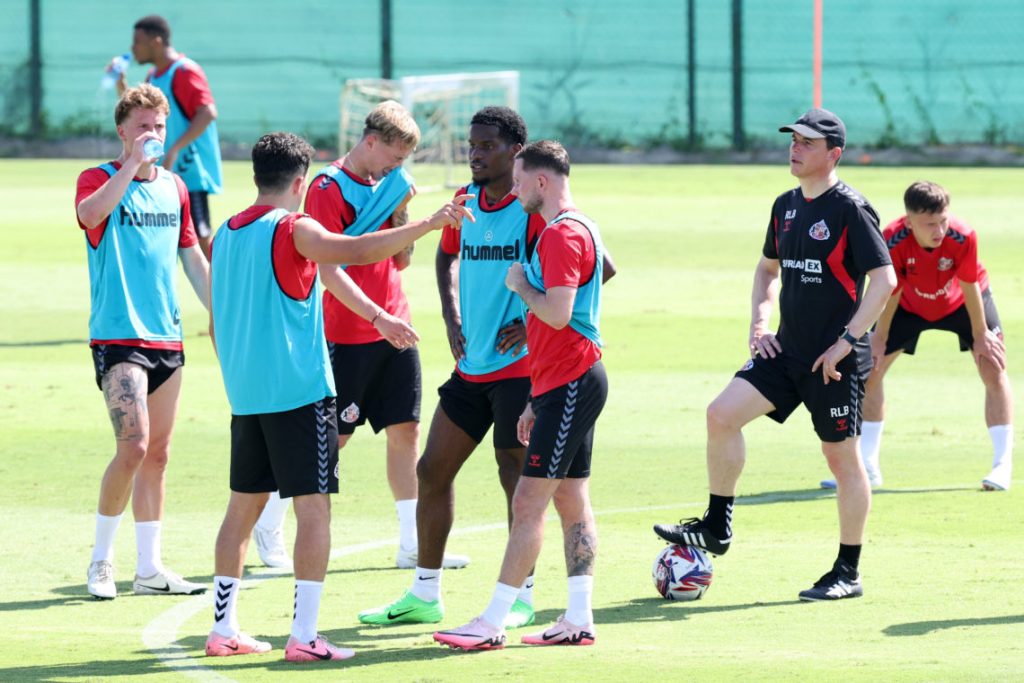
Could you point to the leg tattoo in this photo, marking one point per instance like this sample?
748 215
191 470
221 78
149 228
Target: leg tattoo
580 549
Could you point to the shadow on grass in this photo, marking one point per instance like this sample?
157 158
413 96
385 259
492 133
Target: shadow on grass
769 497
41 342
920 628
659 609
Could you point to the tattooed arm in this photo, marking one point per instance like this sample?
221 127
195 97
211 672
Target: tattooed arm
399 218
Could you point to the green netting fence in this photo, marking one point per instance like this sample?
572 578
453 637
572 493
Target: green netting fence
602 72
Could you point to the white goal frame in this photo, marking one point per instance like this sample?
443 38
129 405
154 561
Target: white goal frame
442 105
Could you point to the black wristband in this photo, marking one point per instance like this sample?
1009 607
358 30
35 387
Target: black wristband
849 338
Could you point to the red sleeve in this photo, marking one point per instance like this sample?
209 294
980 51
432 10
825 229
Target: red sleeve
451 240
191 89
188 235
566 256
89 181
326 205
969 270
294 272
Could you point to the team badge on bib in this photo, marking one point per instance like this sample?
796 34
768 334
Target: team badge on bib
945 263
350 414
819 231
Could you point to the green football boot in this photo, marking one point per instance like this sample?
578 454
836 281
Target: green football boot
408 609
520 615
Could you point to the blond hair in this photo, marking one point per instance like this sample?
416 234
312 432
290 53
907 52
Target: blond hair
144 96
393 124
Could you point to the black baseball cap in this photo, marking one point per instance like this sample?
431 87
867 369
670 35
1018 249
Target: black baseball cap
817 124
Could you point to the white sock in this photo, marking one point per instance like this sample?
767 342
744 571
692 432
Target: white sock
501 604
426 584
407 524
870 443
273 513
526 592
147 545
1002 444
106 530
307 609
225 600
581 588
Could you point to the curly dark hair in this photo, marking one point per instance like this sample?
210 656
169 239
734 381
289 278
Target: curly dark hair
510 125
279 157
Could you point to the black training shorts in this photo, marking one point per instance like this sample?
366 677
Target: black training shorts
475 406
376 382
294 452
199 208
562 439
835 407
159 364
906 327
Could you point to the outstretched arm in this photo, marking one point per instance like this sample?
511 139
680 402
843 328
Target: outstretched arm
316 243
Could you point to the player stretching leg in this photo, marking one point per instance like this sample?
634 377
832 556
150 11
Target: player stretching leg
137 223
562 288
822 241
942 286
279 383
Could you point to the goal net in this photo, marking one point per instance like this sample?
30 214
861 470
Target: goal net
442 105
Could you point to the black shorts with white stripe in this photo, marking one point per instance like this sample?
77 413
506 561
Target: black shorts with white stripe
294 452
563 433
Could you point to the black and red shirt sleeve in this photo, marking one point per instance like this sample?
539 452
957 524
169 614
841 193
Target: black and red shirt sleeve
89 181
188 236
326 205
191 89
865 243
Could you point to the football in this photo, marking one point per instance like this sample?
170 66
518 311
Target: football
682 572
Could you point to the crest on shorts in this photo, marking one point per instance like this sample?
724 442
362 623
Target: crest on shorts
945 263
819 231
336 470
350 414
746 366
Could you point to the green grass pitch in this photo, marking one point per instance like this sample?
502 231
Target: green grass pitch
942 562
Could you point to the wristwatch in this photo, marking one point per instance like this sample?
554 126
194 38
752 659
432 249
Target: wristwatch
850 339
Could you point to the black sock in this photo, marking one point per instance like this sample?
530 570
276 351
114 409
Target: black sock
850 553
719 516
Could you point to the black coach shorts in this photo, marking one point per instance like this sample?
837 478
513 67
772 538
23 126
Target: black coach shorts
159 364
835 408
907 327
199 208
475 406
295 451
562 439
376 382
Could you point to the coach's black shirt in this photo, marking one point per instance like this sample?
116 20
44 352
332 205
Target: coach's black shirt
824 246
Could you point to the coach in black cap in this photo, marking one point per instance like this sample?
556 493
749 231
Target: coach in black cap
819 123
824 247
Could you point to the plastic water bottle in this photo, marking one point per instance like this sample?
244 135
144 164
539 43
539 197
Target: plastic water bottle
117 67
152 149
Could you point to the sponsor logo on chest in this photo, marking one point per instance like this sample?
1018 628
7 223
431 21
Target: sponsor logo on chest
492 252
147 219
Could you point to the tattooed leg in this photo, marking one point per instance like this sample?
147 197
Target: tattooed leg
572 501
124 389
